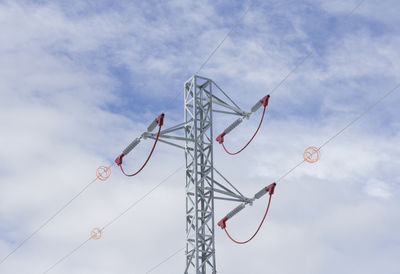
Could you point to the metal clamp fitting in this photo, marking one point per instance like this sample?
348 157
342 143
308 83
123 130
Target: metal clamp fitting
222 223
220 138
265 100
118 160
160 119
271 188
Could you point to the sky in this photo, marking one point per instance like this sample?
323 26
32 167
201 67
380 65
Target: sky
79 80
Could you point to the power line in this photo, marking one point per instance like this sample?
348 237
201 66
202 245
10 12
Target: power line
87 186
116 218
165 260
67 255
142 198
218 46
49 219
346 127
369 108
169 176
300 163
289 171
361 115
325 143
311 53
272 91
234 27
291 72
201 67
226 36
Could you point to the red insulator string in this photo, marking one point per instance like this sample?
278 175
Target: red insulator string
259 125
148 158
258 229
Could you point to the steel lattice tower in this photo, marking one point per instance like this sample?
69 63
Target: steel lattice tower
202 188
200 242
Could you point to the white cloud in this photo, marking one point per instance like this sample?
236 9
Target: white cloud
377 188
57 125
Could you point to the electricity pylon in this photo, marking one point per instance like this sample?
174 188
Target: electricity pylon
202 188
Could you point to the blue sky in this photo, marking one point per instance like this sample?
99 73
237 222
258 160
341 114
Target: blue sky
80 79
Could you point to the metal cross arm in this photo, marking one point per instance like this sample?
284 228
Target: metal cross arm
166 137
225 190
229 190
236 110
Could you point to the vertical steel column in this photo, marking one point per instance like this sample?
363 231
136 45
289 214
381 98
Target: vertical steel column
200 247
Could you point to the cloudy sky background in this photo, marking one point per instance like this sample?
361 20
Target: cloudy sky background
80 79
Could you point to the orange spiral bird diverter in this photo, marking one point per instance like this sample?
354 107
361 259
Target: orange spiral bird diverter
311 154
96 233
103 173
